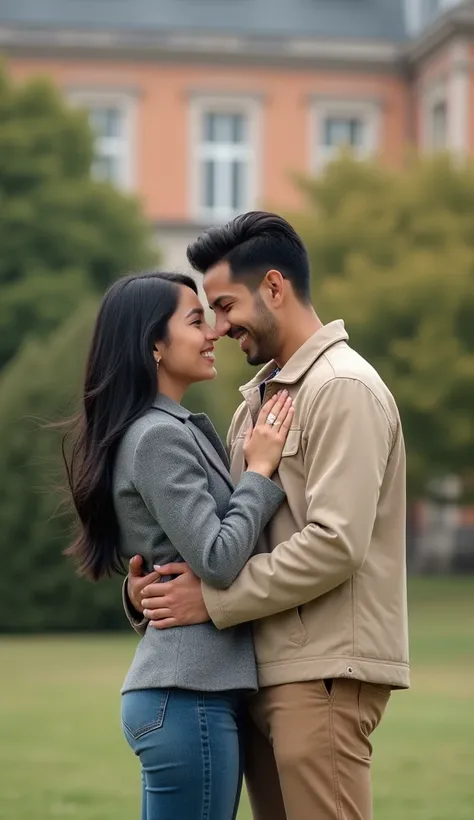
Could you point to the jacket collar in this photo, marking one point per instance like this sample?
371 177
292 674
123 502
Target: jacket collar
172 407
305 356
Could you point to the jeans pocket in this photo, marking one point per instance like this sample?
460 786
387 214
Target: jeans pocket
143 711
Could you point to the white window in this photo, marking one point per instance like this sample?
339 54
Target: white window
438 126
338 125
112 122
435 117
224 158
343 130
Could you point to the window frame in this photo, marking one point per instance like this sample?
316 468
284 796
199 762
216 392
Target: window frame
437 94
367 111
124 102
202 104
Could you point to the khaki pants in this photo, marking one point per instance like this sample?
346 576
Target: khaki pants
308 751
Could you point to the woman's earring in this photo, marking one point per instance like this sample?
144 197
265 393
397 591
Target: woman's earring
158 364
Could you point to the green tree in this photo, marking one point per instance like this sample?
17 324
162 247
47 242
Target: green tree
393 254
39 590
62 234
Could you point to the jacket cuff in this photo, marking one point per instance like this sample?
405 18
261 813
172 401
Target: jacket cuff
214 606
269 492
136 619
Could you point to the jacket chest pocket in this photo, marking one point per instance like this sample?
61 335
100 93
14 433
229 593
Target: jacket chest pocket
291 449
290 471
292 443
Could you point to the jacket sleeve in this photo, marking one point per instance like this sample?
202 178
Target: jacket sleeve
135 619
347 440
174 486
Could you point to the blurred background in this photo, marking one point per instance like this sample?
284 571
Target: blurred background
126 126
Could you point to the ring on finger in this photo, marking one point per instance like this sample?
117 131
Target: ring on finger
271 419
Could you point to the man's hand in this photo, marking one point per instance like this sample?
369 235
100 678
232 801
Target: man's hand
174 603
137 582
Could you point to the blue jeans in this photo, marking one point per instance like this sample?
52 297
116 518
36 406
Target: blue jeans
189 748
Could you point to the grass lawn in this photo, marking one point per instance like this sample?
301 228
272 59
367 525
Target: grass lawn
62 754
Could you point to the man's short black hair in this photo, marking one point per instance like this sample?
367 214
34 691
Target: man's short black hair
252 244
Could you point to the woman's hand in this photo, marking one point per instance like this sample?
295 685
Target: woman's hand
264 443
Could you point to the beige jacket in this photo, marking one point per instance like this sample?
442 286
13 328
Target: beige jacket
327 589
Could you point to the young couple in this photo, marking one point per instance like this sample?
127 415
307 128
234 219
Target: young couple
275 626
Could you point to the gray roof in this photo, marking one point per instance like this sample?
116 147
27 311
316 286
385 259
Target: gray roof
341 19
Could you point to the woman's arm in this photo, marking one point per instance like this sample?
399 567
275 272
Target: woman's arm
174 487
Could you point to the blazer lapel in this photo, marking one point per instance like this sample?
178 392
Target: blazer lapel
210 444
203 431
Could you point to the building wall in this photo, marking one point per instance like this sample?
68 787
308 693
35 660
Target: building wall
162 96
291 112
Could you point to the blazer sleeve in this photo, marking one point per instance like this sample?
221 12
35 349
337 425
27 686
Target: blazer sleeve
135 619
174 486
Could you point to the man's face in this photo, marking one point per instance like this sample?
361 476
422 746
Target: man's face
242 315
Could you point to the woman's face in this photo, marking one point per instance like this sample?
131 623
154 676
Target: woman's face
188 355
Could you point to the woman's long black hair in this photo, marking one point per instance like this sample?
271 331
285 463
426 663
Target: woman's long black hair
120 386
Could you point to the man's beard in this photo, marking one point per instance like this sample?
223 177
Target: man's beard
264 336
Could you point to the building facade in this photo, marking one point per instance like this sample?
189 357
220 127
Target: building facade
207 108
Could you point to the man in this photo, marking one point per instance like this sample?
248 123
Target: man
327 589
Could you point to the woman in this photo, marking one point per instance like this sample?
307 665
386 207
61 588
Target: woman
147 477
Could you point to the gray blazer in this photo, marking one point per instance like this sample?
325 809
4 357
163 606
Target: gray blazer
175 500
